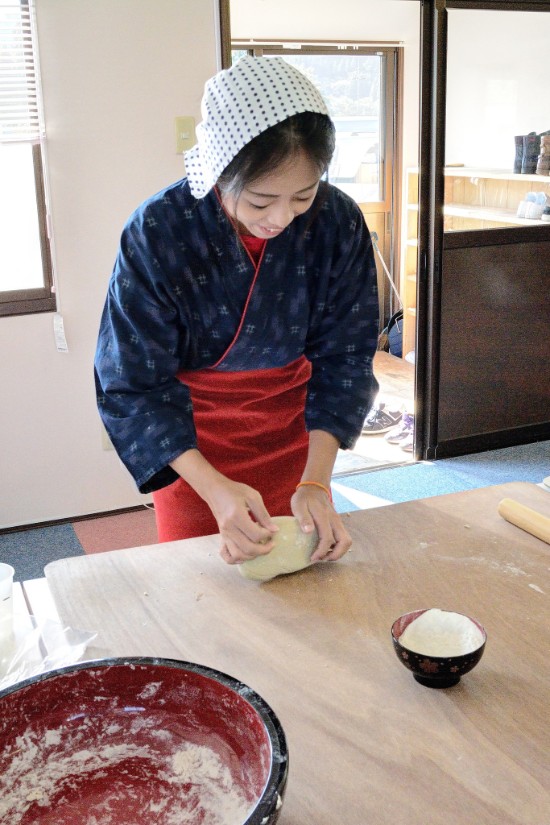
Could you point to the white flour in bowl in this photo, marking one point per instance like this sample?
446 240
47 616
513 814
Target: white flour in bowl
59 777
442 633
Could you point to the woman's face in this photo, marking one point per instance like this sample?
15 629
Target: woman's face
268 205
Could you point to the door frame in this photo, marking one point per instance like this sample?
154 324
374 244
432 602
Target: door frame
389 229
431 243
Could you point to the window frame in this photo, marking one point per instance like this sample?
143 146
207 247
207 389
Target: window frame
37 299
391 100
386 50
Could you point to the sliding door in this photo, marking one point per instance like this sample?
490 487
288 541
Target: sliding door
484 243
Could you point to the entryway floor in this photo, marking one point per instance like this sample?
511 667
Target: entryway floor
396 379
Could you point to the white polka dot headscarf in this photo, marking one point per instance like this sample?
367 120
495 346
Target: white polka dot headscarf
238 105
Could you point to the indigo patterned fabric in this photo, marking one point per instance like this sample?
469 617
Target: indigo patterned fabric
175 301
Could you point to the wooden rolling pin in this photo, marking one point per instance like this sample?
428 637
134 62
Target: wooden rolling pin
526 518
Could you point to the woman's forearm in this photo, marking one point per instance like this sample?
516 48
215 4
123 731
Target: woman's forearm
200 474
323 449
193 467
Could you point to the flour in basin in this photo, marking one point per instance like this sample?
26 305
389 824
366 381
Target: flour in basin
170 783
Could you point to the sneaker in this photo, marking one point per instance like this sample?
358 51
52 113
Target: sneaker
408 443
398 434
380 420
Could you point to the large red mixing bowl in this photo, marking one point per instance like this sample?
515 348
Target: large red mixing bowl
129 741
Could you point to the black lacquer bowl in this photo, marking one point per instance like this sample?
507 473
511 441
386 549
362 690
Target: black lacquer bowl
434 671
139 740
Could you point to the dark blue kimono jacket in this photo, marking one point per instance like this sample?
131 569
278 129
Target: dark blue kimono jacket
175 301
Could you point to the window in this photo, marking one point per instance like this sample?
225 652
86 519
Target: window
361 85
26 283
355 82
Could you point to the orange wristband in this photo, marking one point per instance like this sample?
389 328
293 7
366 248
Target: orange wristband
315 484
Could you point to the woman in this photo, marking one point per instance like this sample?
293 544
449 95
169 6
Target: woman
235 350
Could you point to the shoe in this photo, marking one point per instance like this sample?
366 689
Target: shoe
531 146
519 154
380 420
543 162
398 434
408 443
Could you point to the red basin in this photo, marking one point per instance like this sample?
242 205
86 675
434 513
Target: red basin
126 741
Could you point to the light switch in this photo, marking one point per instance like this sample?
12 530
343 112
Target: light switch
185 134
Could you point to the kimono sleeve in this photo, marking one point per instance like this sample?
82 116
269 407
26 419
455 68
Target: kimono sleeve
146 411
344 335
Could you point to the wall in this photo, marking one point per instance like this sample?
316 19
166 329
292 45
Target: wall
115 74
496 76
364 20
495 90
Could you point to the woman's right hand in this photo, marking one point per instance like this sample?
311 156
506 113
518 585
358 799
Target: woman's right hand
244 523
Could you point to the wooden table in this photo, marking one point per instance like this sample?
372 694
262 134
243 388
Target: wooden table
367 743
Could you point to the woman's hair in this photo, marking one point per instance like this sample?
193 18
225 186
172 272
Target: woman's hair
310 132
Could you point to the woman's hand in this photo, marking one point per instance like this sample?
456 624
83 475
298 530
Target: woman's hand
233 505
312 506
313 509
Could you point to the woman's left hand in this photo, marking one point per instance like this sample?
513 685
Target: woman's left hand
313 509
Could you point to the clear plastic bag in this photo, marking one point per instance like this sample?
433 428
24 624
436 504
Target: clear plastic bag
48 645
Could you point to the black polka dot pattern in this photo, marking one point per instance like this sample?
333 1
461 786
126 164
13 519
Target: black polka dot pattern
238 105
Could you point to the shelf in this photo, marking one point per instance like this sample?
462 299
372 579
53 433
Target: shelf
483 213
474 198
488 213
491 174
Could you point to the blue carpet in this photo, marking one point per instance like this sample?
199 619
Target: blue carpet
527 462
29 550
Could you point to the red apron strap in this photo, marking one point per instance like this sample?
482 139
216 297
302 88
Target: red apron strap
256 255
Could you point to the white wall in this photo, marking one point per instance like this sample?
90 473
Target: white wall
115 74
497 80
365 20
497 84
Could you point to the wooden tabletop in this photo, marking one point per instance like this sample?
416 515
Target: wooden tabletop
367 743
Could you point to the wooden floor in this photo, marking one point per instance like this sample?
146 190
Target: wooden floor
396 379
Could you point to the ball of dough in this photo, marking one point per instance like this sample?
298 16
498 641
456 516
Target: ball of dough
291 552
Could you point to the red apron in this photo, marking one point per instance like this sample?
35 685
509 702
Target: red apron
250 427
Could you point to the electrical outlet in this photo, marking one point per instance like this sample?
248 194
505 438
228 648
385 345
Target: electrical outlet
185 134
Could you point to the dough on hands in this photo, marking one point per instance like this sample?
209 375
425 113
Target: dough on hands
291 552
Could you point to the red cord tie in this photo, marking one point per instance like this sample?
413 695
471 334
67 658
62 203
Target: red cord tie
316 484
